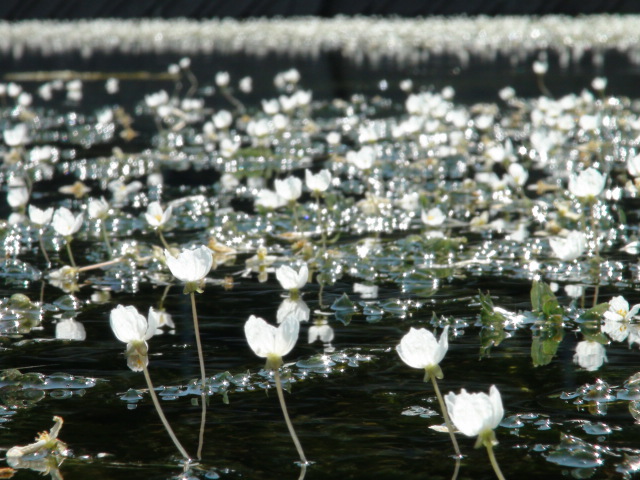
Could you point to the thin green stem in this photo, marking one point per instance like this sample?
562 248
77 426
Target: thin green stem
100 265
445 414
164 242
105 237
203 399
44 250
494 462
292 432
164 296
156 403
71 259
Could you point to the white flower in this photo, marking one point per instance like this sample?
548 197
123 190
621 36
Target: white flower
433 218
70 329
290 279
290 189
333 138
293 308
291 76
18 194
322 332
155 100
540 67
617 330
98 208
246 84
518 174
112 85
133 329
269 199
222 119
161 318
633 166
64 223
588 184
420 349
363 159
476 413
190 266
156 217
619 310
590 355
599 84
129 326
270 342
318 182
569 248
40 217
18 135
222 79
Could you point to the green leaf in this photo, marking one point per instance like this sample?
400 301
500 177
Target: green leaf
594 314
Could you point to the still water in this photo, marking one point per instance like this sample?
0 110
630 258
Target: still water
385 265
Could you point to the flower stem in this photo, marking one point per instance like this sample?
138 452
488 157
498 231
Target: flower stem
44 251
494 463
294 437
100 265
105 237
203 395
71 259
445 414
164 242
156 403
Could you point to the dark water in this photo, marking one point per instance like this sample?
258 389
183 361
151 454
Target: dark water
352 419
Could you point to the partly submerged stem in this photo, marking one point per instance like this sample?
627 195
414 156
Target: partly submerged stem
105 237
494 462
44 251
294 437
156 403
445 414
162 239
100 265
203 375
71 259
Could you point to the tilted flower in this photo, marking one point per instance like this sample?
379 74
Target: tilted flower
290 279
40 217
476 414
588 184
98 208
132 328
420 349
157 217
619 309
270 342
190 267
65 223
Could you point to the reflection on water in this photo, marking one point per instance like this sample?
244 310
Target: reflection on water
507 221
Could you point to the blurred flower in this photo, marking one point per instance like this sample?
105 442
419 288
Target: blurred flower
433 218
290 189
70 329
590 355
64 223
98 208
40 217
270 342
46 444
588 184
569 248
476 414
293 308
156 217
318 182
